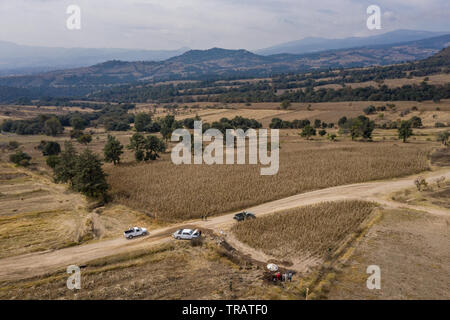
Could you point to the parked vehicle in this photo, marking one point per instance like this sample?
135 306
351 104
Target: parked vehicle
244 216
135 232
187 234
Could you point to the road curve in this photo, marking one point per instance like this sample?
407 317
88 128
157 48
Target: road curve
40 263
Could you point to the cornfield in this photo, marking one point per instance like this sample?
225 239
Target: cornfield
309 231
173 193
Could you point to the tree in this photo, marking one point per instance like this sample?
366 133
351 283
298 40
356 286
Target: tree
317 123
405 131
285 104
361 127
146 148
443 137
49 148
20 158
64 170
53 127
276 123
342 121
90 178
416 122
137 144
308 131
153 146
77 123
85 139
142 122
168 125
322 133
83 171
113 150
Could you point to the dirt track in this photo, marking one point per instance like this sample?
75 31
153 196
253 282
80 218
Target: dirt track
34 264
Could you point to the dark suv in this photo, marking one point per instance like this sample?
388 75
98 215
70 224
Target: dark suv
244 216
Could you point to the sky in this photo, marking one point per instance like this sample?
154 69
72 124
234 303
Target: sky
202 24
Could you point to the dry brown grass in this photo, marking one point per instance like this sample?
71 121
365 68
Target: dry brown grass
411 249
172 193
315 230
437 79
173 271
39 231
38 215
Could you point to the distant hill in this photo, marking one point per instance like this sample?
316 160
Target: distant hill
309 44
20 59
218 63
440 59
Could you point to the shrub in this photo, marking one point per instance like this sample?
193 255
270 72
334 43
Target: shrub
49 148
13 145
420 183
369 110
443 137
52 161
416 122
285 104
20 158
308 131
85 138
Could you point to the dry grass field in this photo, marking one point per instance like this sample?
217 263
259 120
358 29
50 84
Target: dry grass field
172 271
429 111
437 193
436 79
38 215
35 214
316 230
173 193
411 249
16 112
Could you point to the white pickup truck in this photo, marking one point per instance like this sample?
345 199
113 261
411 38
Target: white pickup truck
135 232
187 234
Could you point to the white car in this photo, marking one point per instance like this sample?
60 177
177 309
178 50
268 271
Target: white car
186 234
135 232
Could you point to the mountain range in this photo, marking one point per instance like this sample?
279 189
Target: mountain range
215 63
19 59
310 44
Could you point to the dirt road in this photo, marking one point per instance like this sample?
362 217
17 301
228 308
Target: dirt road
29 265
